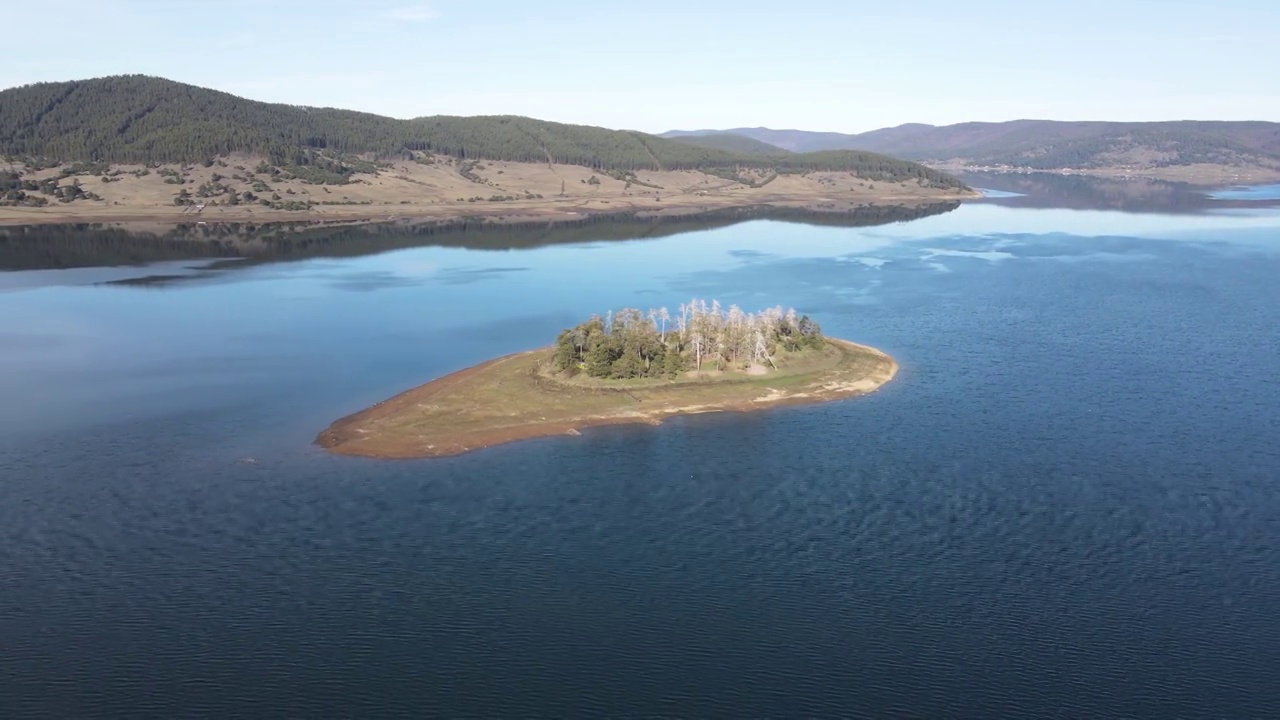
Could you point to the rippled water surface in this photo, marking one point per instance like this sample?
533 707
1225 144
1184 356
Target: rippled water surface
1066 505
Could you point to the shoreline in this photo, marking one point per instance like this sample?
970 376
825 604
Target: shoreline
357 434
520 211
1201 176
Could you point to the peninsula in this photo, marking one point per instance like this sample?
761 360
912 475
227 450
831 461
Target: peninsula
628 367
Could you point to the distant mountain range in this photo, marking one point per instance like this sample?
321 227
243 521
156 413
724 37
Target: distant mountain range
1041 144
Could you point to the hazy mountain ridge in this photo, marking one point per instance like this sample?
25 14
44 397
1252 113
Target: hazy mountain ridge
797 141
1051 145
730 142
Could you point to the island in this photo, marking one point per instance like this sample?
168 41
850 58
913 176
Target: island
625 367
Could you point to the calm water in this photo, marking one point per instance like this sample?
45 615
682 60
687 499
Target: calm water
1067 505
1134 195
1257 192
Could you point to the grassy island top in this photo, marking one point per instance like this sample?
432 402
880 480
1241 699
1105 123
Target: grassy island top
626 367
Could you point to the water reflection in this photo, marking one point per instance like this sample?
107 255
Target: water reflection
1086 192
1248 192
46 247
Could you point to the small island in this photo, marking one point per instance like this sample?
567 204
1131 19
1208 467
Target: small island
626 367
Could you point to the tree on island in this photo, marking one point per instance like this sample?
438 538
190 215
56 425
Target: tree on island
635 344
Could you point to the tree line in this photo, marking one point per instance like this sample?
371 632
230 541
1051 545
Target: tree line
658 343
141 119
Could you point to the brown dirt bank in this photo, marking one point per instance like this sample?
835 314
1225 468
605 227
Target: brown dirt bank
509 399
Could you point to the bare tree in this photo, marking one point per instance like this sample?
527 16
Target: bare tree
761 349
627 321
735 330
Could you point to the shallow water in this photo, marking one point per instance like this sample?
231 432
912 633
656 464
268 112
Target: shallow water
1065 505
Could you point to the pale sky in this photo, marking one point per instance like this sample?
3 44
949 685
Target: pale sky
657 65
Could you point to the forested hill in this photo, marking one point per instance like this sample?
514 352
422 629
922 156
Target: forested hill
141 119
1047 144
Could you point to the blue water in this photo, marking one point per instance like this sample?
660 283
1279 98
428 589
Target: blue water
1252 192
1066 505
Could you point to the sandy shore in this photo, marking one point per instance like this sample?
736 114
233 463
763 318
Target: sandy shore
507 399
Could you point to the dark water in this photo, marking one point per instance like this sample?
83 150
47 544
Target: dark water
1067 504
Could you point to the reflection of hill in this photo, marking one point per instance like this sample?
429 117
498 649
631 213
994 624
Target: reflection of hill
66 246
1084 192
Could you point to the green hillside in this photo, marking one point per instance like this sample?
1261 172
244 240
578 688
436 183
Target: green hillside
141 119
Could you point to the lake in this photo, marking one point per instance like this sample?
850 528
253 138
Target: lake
1066 505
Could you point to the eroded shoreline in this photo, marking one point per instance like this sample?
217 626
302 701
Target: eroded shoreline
474 408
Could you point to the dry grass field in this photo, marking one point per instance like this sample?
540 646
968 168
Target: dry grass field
448 188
